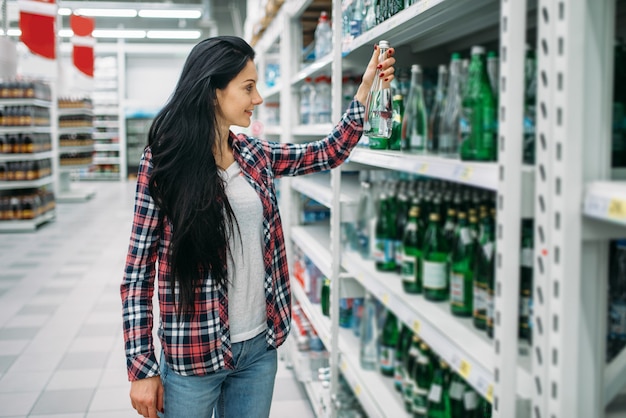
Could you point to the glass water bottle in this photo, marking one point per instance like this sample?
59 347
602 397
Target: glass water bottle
378 116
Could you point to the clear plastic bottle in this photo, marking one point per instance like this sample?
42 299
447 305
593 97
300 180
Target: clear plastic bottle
323 37
378 114
414 120
305 101
322 101
449 125
368 353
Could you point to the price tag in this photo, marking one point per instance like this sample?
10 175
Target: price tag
464 369
617 209
423 168
343 366
466 173
357 390
489 395
385 299
417 326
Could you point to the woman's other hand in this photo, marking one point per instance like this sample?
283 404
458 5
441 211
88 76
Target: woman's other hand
146 396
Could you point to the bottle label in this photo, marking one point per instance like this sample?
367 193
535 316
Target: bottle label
435 393
490 304
479 301
456 390
399 373
435 275
470 400
527 257
399 252
408 388
457 289
466 237
524 306
383 250
488 250
409 264
417 141
386 359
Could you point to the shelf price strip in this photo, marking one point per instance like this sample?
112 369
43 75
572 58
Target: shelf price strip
617 209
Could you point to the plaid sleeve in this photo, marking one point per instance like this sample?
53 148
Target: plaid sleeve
327 153
137 285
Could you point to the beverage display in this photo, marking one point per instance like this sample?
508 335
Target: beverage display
462 269
384 247
435 264
323 36
483 271
368 351
530 99
437 111
395 142
438 396
388 342
449 136
412 253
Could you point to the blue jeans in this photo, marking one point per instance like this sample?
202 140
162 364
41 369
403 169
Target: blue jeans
245 391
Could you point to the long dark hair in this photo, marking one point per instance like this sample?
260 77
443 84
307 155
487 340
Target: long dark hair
185 182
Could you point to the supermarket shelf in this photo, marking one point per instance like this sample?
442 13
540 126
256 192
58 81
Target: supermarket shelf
71 167
77 130
26 157
32 184
317 187
27 225
434 22
106 160
99 177
105 136
75 111
321 130
76 148
106 124
75 196
106 147
25 102
313 311
606 201
314 241
25 129
466 349
375 392
272 32
272 93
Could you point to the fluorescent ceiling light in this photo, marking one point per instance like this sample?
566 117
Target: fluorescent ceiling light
118 33
66 33
11 32
173 14
107 12
174 34
64 11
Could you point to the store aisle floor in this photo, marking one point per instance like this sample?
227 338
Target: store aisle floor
61 347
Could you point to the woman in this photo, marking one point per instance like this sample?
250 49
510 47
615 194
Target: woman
206 212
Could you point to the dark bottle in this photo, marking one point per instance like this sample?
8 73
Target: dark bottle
438 397
384 247
526 280
423 376
402 215
491 278
415 119
462 269
412 253
325 297
395 142
483 271
435 263
402 351
388 343
410 362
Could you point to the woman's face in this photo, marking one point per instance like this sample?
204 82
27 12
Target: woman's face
236 102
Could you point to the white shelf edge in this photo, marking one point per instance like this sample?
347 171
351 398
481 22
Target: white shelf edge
78 111
76 130
76 148
26 157
26 225
317 187
313 312
11 185
271 93
66 168
606 201
106 147
25 102
23 129
106 160
320 66
314 241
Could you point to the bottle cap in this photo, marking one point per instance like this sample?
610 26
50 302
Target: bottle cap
478 50
443 68
434 217
383 44
416 68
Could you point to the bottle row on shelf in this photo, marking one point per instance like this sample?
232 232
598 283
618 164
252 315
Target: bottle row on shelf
75 103
25 143
26 206
76 158
619 106
25 170
75 121
24 89
75 140
24 116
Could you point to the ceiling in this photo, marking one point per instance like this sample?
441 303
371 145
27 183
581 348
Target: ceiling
218 17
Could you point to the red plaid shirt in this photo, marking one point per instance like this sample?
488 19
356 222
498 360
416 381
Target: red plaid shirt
202 344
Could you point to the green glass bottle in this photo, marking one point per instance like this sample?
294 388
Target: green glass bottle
449 227
435 262
395 142
491 278
402 351
412 253
423 376
530 99
388 343
410 361
483 270
479 112
462 269
403 204
325 297
456 393
526 280
384 246
415 120
438 397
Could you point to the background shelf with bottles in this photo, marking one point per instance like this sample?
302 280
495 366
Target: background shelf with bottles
27 197
137 128
106 163
76 147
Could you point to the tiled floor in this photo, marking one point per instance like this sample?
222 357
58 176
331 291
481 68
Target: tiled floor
61 348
